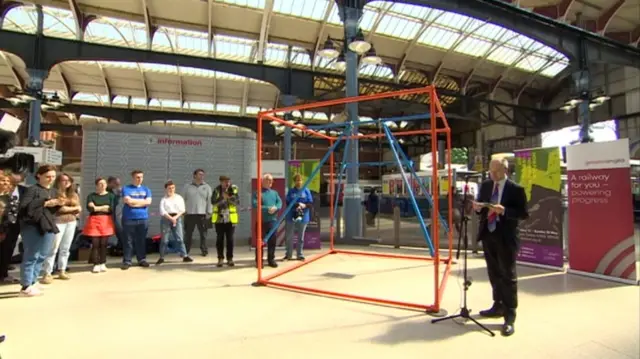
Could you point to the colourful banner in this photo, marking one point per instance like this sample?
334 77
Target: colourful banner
601 224
538 170
305 168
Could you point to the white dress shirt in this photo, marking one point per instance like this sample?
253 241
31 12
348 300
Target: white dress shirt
173 204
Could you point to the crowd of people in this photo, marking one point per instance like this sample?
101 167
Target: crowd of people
46 214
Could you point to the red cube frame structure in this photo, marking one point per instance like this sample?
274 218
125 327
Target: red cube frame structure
439 127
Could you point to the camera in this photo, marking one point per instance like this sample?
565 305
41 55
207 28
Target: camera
19 162
298 212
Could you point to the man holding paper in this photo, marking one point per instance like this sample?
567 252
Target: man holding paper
501 204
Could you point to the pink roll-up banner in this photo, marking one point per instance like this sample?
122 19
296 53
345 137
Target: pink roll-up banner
602 241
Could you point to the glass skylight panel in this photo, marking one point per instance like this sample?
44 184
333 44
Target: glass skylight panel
191 42
474 47
368 19
233 48
161 68
201 106
121 100
276 54
154 102
489 31
221 107
452 20
256 4
324 63
438 37
21 18
504 55
86 97
138 101
396 26
309 9
170 103
554 69
416 12
58 23
162 41
252 110
300 57
117 32
531 63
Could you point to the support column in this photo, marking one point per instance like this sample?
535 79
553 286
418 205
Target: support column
34 88
287 100
352 197
581 83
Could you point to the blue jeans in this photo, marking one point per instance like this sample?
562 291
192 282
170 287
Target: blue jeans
135 236
299 228
171 233
36 248
61 246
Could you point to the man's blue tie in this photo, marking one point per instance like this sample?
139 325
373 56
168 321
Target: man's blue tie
493 218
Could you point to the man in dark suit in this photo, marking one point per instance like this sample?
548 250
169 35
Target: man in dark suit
499 235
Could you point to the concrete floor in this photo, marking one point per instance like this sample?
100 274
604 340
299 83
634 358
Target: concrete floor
199 311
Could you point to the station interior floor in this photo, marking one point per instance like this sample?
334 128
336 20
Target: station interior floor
199 311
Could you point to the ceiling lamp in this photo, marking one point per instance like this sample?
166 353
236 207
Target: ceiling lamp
341 63
329 50
358 44
371 58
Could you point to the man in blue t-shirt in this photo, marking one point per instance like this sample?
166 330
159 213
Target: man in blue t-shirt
135 220
298 218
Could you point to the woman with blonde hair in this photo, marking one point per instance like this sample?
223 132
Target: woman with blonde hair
66 220
8 218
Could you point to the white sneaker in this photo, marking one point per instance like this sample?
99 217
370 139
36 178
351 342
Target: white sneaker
32 291
96 269
103 268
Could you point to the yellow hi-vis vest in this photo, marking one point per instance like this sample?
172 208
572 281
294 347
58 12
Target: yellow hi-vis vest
233 209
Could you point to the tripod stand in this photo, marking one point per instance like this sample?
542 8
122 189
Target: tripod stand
464 311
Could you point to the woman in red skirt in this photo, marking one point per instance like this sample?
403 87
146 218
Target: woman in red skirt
99 224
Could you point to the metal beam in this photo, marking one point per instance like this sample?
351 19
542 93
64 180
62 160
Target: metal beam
151 29
557 11
19 81
601 24
383 11
411 45
562 37
466 33
264 30
320 36
105 81
210 44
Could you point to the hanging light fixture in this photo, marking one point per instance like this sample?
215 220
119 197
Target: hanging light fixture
371 57
358 43
341 63
329 50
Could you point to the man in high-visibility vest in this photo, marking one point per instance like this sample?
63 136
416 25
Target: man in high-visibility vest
225 217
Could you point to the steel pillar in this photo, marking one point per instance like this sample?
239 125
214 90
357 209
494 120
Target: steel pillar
352 196
287 100
581 83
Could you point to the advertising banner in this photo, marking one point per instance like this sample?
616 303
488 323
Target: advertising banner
538 170
601 227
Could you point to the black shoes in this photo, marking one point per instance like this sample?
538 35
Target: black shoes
271 263
125 266
144 264
187 259
220 262
230 263
496 311
507 330
160 261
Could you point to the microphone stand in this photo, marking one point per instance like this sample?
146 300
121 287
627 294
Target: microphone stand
464 219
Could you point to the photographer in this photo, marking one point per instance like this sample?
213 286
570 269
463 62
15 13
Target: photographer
225 217
299 217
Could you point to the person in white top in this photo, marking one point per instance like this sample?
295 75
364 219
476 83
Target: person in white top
172 209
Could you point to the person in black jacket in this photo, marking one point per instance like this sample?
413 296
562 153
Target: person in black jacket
38 227
501 204
12 230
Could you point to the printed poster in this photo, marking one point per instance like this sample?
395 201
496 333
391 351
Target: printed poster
538 170
601 224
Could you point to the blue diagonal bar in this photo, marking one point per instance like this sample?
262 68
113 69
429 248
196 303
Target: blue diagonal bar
409 118
412 197
304 186
430 199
